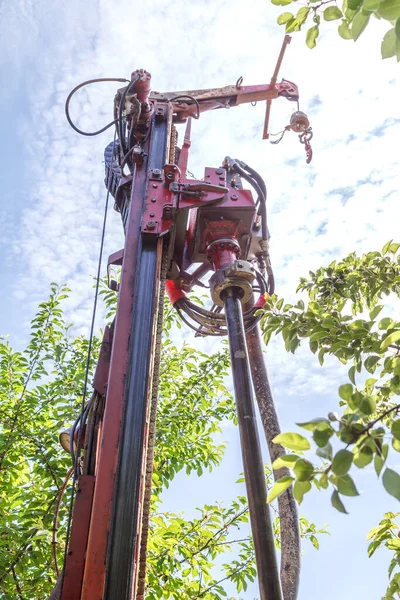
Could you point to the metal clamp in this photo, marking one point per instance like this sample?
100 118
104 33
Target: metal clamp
240 274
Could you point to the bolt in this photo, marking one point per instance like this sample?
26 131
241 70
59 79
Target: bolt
152 214
154 199
219 171
151 225
221 177
234 196
170 175
156 172
155 185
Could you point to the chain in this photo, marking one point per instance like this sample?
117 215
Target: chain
172 146
305 138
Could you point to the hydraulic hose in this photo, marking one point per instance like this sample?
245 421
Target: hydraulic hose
78 87
261 196
290 531
260 519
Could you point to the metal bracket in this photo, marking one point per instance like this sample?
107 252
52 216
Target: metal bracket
114 259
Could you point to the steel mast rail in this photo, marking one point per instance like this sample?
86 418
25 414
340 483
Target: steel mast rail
171 223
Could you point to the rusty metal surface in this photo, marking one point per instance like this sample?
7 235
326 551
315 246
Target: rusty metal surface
79 537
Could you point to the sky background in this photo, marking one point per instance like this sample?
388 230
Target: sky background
347 199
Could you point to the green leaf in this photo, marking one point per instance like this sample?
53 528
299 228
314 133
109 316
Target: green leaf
368 405
325 451
346 391
302 15
391 483
322 433
279 487
318 335
363 457
386 247
375 311
389 10
342 462
385 323
345 485
281 3
337 503
301 488
303 470
287 460
355 400
352 375
391 339
323 481
369 384
396 429
378 464
358 25
332 13
294 441
284 18
312 35
396 444
353 4
371 362
370 6
311 425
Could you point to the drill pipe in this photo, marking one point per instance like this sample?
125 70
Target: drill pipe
260 519
290 531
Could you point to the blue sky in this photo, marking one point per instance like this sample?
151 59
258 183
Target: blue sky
347 199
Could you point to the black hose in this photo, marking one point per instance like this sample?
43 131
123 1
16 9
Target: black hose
261 526
68 100
255 176
261 197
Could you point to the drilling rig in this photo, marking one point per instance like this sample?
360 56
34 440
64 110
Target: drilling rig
178 231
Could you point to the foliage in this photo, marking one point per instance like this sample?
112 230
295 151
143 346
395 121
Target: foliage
354 17
387 534
41 392
345 319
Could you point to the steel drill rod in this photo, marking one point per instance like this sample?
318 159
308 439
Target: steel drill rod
289 520
260 520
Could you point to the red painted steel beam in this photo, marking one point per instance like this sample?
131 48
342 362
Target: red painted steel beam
79 536
94 574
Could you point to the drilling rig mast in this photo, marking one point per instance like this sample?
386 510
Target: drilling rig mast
177 231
